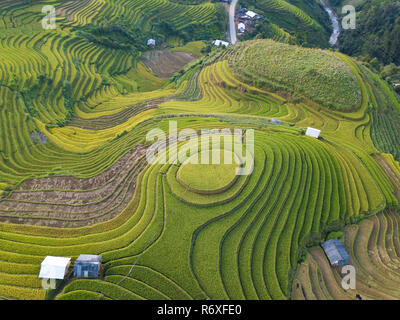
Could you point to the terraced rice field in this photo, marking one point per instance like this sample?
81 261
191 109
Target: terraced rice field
165 63
140 13
201 175
374 249
74 177
297 22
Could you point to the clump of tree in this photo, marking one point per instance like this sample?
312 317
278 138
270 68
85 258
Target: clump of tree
123 36
69 101
196 31
119 35
314 35
377 32
391 73
29 94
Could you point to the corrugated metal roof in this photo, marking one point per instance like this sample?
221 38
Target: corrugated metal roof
312 132
88 258
220 42
274 121
56 261
54 267
251 14
336 252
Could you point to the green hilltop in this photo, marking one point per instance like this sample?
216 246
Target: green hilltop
318 75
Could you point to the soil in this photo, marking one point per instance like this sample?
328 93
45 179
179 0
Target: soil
394 178
75 202
70 8
164 63
110 121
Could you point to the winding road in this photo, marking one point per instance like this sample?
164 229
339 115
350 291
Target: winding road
232 26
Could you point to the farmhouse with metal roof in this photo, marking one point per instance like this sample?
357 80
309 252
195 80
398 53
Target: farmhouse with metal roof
275 121
151 42
54 267
311 132
241 27
336 252
87 266
220 42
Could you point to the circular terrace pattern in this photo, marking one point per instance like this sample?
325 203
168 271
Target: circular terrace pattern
209 177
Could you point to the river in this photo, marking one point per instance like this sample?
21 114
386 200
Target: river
334 22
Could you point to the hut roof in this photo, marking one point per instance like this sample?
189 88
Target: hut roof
335 252
251 14
151 42
313 132
88 258
275 121
54 267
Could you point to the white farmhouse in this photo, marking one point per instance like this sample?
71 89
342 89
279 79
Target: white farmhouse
313 132
241 27
251 14
54 267
220 43
151 42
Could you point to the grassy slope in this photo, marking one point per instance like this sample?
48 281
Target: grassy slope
310 73
304 20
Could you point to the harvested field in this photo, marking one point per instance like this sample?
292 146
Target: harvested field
164 63
373 246
72 202
110 121
70 8
390 172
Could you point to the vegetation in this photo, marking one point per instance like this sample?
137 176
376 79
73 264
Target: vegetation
377 34
305 21
208 177
303 73
375 39
372 245
74 178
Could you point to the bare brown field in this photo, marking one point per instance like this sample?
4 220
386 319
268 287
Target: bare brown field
164 63
74 202
110 121
70 8
394 178
373 246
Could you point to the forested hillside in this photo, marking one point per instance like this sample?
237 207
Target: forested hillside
377 34
295 21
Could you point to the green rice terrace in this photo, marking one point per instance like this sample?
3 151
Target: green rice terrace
206 177
76 105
